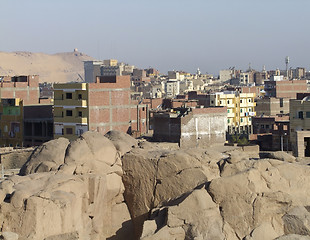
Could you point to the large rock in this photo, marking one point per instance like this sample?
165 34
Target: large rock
79 196
122 141
153 178
47 157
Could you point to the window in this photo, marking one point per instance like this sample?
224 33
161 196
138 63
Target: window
228 110
300 115
62 131
68 95
240 100
267 126
262 126
307 114
249 99
281 102
80 96
250 110
69 113
241 119
80 114
227 101
250 119
228 120
241 110
69 131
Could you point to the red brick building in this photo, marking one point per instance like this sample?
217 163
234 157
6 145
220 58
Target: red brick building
23 87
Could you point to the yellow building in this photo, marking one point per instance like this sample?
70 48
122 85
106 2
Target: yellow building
240 110
11 124
70 110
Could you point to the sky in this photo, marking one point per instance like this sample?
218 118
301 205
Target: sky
164 34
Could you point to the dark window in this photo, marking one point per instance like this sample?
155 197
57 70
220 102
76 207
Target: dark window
301 115
262 126
68 95
307 114
80 96
80 114
69 131
62 131
69 113
267 126
281 102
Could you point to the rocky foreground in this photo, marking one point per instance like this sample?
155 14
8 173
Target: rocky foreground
116 187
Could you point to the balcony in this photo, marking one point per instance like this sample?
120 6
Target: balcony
70 103
66 119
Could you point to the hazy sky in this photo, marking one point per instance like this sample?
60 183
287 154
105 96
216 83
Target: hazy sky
164 34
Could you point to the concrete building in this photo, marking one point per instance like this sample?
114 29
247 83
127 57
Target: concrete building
101 106
285 88
37 124
92 70
272 133
271 106
191 127
300 126
23 87
110 62
240 110
11 124
172 88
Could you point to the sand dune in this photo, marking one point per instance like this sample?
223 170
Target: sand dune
60 67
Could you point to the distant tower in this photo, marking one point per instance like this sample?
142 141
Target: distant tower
198 72
287 61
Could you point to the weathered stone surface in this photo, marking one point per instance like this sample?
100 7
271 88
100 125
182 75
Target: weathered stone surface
47 157
280 155
297 221
293 237
153 178
81 200
122 141
9 236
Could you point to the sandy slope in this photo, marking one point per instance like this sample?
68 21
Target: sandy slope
60 67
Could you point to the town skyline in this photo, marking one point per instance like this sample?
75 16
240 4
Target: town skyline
173 35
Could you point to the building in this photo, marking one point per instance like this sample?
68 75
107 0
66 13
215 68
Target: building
271 106
172 88
300 126
240 110
22 87
272 133
11 124
285 88
92 70
191 127
37 124
101 106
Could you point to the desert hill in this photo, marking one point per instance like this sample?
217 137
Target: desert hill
60 67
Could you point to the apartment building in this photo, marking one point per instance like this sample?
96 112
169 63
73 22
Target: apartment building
11 130
300 126
22 87
285 88
101 106
240 110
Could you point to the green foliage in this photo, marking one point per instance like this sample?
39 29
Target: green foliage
237 138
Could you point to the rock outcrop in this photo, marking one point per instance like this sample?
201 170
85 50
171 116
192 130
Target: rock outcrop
116 187
69 191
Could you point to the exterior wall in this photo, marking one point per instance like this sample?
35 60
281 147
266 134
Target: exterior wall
285 89
11 124
204 127
23 87
240 110
38 124
92 70
71 114
101 106
272 106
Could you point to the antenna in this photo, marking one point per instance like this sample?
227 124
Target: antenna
287 61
